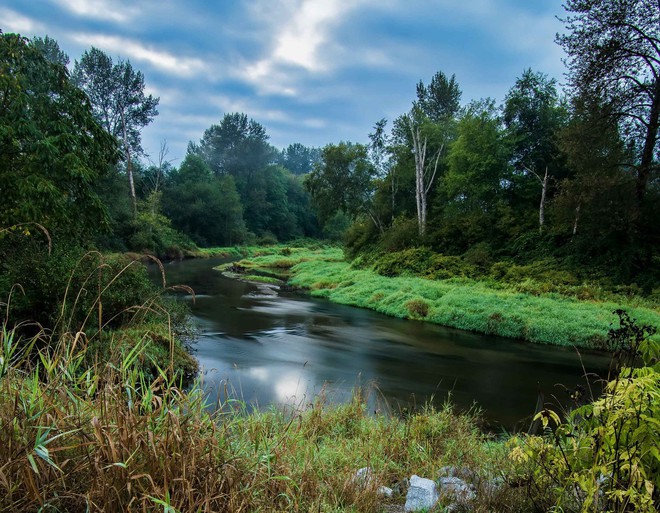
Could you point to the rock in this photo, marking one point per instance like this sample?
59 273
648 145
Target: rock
384 491
422 494
455 491
363 477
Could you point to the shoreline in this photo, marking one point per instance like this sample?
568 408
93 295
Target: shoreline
469 305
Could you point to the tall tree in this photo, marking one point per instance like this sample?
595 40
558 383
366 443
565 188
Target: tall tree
342 181
203 206
428 128
52 150
381 152
119 102
474 184
613 52
51 50
534 117
237 146
299 159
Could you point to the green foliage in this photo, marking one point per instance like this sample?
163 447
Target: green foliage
414 261
605 456
335 226
153 233
341 181
63 288
116 93
206 208
52 151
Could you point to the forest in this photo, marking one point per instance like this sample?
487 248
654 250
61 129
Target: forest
556 185
551 192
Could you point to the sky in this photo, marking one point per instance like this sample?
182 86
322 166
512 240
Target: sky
310 71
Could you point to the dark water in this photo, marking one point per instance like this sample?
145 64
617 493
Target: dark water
288 348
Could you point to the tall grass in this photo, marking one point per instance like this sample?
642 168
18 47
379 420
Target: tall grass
105 438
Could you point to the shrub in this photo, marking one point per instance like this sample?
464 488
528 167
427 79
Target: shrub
417 308
442 267
604 457
409 261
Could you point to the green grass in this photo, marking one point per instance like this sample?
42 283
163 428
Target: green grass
461 303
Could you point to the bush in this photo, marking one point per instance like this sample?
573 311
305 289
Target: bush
403 234
604 457
409 261
442 267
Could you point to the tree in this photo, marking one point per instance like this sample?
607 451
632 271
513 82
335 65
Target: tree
50 50
428 129
299 159
116 92
596 203
238 146
534 118
381 152
205 207
473 186
613 50
52 149
342 181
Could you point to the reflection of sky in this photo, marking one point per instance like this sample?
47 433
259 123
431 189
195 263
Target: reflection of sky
289 348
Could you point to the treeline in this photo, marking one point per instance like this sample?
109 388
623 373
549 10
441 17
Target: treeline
74 178
563 188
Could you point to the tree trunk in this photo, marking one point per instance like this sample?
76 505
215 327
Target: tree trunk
419 150
544 189
577 218
644 170
129 168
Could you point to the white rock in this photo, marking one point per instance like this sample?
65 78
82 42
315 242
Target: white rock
422 494
456 489
384 491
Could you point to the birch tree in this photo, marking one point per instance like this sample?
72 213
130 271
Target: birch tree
116 92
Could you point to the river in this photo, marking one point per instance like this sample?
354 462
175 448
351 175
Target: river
288 348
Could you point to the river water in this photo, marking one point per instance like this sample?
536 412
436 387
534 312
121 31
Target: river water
288 348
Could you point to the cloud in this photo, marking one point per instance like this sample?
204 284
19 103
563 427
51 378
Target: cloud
300 35
15 22
160 59
98 9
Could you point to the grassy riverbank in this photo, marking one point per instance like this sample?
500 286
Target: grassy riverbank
110 437
106 437
465 303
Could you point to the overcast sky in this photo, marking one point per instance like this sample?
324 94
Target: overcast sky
310 71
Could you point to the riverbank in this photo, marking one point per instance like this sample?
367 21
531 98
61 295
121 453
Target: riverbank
463 303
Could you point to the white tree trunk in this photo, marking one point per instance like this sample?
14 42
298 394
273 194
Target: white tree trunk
129 168
423 176
544 189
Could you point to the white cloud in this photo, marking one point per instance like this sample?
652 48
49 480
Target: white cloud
301 34
162 60
15 22
227 105
98 9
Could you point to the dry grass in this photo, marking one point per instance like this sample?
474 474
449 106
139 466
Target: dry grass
106 439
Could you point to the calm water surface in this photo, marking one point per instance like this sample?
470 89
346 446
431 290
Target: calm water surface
289 347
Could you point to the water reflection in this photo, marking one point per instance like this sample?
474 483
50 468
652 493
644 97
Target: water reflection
288 348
